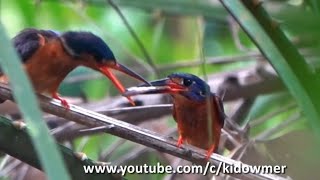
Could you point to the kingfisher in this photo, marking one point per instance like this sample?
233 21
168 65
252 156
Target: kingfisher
48 57
199 113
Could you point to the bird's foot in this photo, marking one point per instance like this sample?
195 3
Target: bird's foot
63 101
210 151
180 141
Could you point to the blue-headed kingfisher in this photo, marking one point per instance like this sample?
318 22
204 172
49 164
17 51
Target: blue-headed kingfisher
193 104
49 56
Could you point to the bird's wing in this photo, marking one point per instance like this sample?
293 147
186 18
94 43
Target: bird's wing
27 41
218 103
174 114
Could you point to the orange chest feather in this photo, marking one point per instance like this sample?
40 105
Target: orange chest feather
48 66
193 122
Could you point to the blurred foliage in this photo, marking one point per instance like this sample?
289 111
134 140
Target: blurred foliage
169 29
23 94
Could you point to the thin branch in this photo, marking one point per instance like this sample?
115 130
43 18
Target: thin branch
212 60
245 83
269 115
135 37
134 133
6 167
169 8
181 64
271 131
62 128
83 142
235 142
138 151
241 113
235 29
133 154
175 164
105 155
133 115
249 56
237 154
22 172
124 49
291 66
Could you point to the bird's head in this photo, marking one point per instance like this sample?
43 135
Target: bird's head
187 85
91 51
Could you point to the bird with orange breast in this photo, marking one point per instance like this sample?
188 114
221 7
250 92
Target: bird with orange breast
198 112
48 57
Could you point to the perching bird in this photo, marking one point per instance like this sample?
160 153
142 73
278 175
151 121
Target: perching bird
48 57
191 109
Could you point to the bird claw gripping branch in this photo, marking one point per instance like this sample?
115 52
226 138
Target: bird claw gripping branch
190 109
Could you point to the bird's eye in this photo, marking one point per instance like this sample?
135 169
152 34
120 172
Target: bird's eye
187 82
202 93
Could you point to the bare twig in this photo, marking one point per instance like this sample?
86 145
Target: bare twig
249 56
235 29
234 141
136 113
136 152
271 131
9 167
134 133
105 155
133 115
243 110
124 49
267 116
212 60
245 83
83 142
62 128
175 164
135 36
22 172
181 64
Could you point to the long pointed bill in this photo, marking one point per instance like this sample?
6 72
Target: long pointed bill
106 71
158 87
127 71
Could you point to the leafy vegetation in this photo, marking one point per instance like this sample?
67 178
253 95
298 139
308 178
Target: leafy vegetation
170 31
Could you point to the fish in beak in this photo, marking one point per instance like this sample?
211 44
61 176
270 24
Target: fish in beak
161 86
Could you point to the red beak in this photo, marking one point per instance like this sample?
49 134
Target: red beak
106 70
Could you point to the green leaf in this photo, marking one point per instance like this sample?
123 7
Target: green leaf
23 93
13 141
185 7
314 4
289 64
